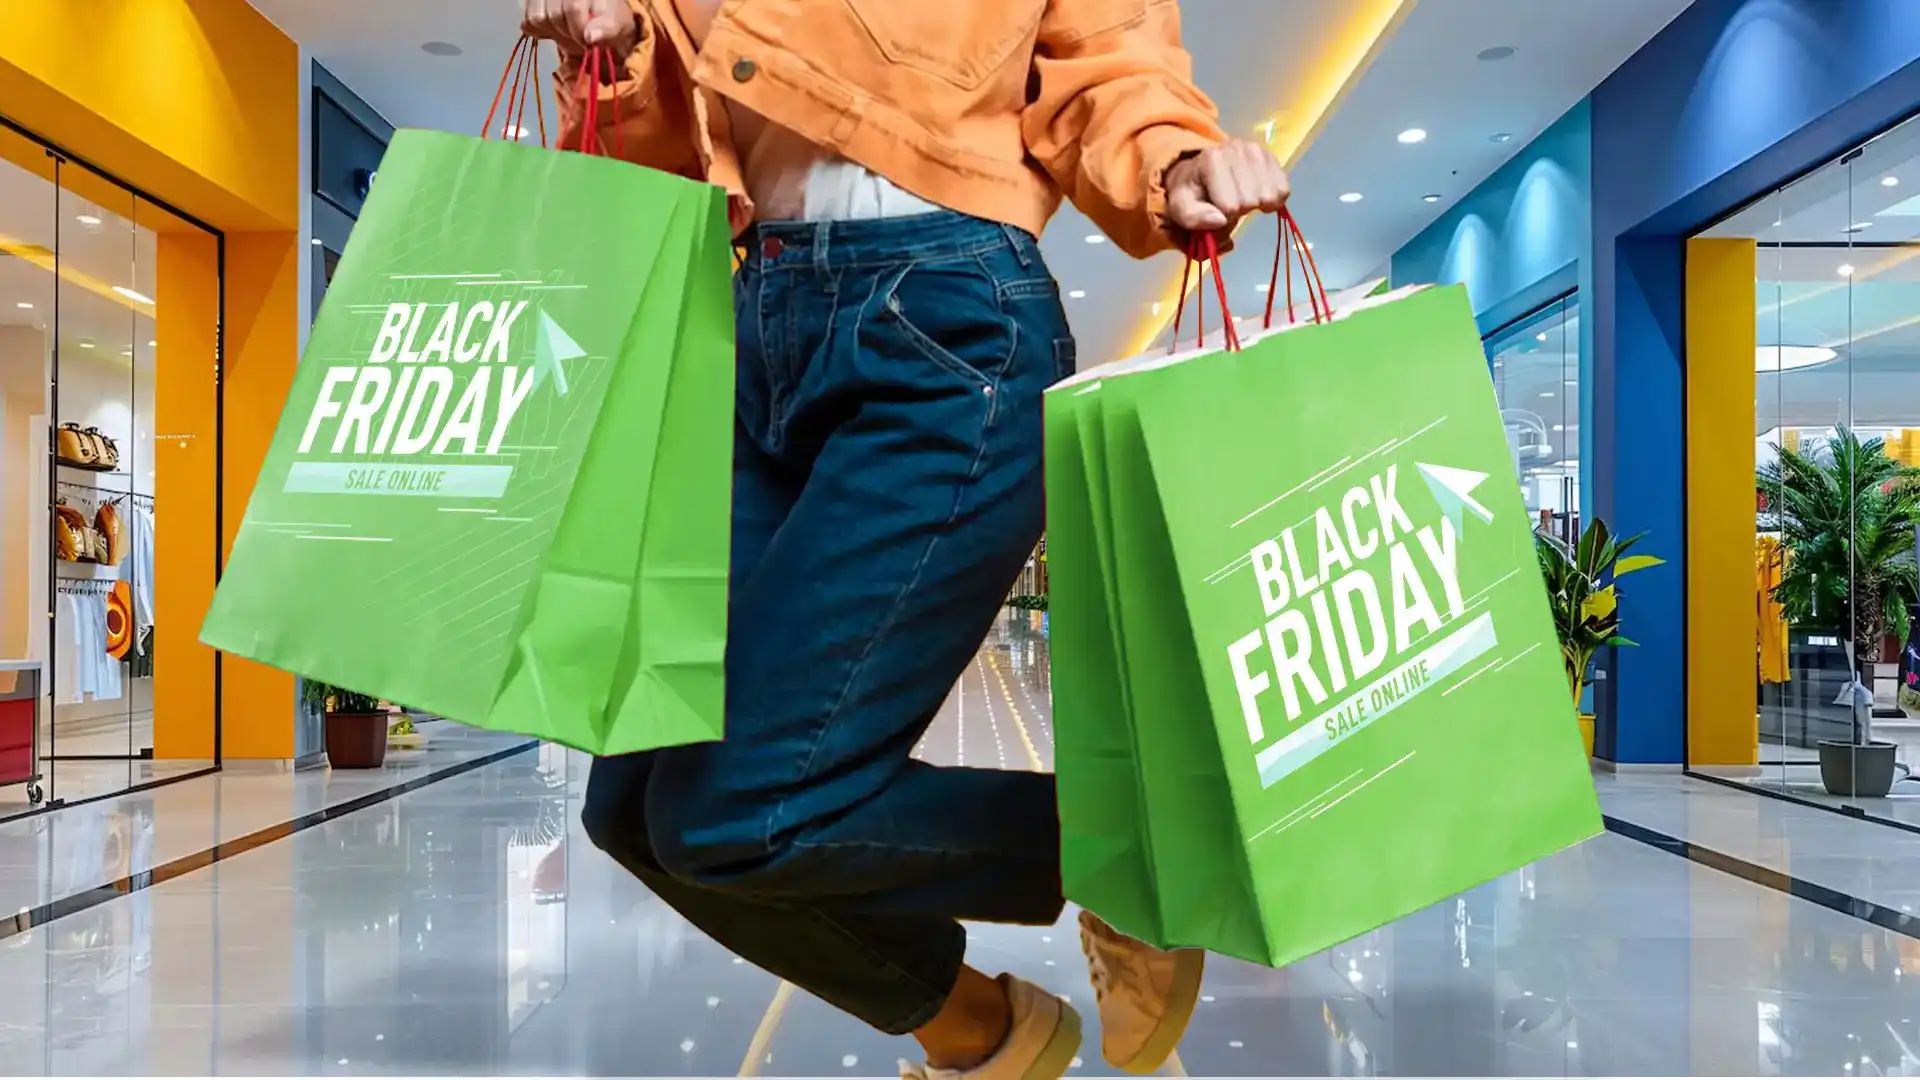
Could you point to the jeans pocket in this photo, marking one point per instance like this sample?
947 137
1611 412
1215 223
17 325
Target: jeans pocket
949 313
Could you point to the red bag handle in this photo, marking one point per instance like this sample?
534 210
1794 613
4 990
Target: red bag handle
596 67
1292 240
519 81
1204 249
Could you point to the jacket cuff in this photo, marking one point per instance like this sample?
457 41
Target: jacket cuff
1161 148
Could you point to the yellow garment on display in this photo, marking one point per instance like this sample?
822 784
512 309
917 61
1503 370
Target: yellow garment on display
1771 560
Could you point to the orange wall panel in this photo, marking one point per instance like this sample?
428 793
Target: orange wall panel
196 101
184 443
263 294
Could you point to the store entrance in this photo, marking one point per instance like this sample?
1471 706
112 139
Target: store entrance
100 429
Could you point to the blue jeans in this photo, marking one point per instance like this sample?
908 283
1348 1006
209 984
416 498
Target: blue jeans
887 491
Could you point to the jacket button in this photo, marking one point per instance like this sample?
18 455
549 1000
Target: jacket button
744 69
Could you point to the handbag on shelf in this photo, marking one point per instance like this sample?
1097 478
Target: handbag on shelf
112 534
86 448
72 536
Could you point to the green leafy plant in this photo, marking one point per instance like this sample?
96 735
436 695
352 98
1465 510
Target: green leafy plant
1582 589
1847 522
325 698
1028 603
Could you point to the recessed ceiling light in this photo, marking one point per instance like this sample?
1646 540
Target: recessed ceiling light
1309 245
1429 198
441 48
1859 226
1500 137
86 344
87 219
316 241
1559 427
136 297
1546 393
1413 135
1263 287
1540 337
1156 307
1352 197
1790 357
1844 270
1889 181
1497 52
126 352
153 344
1077 294
1096 238
24 306
516 132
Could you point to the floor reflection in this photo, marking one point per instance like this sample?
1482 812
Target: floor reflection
469 928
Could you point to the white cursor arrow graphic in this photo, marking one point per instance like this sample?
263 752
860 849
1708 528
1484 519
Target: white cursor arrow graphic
550 352
1453 490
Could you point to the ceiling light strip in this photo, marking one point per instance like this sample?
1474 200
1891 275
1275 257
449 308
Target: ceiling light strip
1359 44
37 255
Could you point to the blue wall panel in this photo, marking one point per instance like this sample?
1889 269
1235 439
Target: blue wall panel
1731 99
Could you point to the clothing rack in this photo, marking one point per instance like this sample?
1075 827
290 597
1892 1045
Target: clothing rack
97 493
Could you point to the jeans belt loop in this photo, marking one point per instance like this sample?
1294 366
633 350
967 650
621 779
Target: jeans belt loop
1014 237
822 253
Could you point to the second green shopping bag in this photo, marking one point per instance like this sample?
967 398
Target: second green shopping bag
1305 677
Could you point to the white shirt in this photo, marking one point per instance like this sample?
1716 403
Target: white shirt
791 179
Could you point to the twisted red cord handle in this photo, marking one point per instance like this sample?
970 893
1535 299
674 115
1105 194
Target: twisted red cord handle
519 81
1204 249
1292 240
596 67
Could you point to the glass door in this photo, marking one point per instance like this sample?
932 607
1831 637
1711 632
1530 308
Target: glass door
97 425
1535 363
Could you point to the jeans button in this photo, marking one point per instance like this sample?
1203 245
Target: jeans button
744 69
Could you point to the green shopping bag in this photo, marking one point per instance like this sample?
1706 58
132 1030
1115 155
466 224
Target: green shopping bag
1306 680
500 489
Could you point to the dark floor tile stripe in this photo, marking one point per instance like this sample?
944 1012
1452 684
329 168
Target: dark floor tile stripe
199 860
1886 918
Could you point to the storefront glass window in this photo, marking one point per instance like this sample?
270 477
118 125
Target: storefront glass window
1536 378
1837 480
96 429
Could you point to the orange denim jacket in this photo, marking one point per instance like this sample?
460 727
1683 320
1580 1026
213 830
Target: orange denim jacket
994 108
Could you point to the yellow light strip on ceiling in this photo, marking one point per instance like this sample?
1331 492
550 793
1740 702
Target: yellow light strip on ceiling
1324 86
38 255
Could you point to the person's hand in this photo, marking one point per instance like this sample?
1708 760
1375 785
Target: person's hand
577 26
1212 190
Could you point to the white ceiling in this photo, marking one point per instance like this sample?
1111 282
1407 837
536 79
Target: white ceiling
1254 56
1428 76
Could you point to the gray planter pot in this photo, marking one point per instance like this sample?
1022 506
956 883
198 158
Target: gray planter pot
1857 771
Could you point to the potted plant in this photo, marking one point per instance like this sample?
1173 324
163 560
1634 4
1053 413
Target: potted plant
356 724
1582 590
1846 519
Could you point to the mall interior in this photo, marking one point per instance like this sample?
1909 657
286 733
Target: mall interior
1683 227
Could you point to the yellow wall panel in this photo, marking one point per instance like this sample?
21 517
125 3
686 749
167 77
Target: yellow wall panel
1722 585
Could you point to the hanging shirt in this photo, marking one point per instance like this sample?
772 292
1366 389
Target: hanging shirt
791 179
1770 558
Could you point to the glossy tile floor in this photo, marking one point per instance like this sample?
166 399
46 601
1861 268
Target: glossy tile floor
467 927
